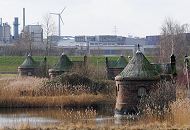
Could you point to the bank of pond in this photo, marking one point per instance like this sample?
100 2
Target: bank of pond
135 90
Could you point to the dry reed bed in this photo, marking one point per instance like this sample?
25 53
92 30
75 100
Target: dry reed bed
18 92
83 100
178 116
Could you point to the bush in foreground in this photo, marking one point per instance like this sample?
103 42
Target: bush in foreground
74 83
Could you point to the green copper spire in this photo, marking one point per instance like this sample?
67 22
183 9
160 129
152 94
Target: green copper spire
64 64
138 68
29 63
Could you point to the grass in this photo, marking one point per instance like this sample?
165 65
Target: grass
11 63
7 75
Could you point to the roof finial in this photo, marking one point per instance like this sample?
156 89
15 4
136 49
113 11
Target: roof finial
138 48
186 55
29 54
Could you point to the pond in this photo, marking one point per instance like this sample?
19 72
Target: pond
19 117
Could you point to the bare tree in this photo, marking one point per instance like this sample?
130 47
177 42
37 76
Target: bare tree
24 44
49 29
173 40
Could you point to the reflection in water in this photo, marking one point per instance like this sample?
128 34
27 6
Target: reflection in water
39 117
43 117
23 119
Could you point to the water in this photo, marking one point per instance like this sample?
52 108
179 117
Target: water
15 118
24 120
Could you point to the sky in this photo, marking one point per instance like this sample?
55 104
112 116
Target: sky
99 17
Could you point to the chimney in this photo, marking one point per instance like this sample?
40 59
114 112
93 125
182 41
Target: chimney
1 21
23 18
16 24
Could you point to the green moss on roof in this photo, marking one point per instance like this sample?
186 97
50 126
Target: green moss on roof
29 63
64 64
111 64
157 67
139 68
120 63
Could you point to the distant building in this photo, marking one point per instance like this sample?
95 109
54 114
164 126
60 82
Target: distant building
1 30
55 40
16 25
101 40
135 41
153 40
112 45
106 45
5 32
35 33
103 44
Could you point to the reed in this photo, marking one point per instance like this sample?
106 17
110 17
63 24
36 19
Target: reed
26 92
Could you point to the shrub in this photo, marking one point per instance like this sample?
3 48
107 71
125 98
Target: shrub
74 83
91 71
157 102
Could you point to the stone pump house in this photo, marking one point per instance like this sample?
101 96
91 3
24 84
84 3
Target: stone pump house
30 67
115 67
137 79
64 65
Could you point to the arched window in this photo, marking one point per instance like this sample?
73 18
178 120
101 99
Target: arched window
142 92
29 73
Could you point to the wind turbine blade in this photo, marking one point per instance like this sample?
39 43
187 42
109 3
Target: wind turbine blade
54 13
63 10
61 20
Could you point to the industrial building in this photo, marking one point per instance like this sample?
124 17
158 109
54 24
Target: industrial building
16 26
106 45
5 32
34 32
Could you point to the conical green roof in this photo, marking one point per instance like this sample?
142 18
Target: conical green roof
29 63
121 62
64 64
43 62
138 68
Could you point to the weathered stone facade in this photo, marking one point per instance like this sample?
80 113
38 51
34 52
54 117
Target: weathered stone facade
137 80
115 67
30 67
64 65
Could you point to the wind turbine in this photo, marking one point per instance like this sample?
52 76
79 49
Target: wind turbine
60 20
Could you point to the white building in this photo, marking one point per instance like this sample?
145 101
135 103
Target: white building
5 32
107 45
35 32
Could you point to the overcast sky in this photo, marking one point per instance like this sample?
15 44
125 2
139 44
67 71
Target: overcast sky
93 17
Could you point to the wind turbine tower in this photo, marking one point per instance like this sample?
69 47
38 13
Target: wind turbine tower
59 20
